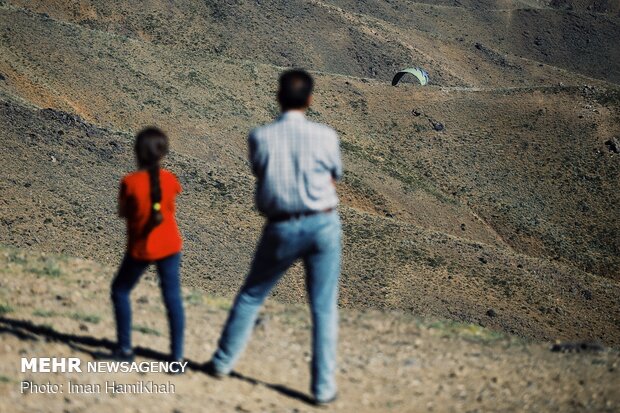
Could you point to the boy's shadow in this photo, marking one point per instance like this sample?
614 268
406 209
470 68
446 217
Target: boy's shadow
26 330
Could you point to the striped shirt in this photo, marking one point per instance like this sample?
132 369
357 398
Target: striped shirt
295 162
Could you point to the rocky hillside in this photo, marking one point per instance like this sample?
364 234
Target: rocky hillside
389 362
510 207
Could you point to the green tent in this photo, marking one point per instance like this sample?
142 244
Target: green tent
420 74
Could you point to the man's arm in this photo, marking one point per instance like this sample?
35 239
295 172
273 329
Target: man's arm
254 155
336 158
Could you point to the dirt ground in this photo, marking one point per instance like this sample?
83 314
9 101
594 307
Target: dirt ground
388 362
468 250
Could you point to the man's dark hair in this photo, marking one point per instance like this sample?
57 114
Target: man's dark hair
295 89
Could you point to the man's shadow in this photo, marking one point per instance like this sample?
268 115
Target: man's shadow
26 330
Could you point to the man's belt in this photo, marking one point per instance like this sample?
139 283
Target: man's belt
297 215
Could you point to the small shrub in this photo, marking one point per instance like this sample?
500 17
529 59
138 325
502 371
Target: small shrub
17 257
43 313
435 262
87 318
466 331
146 330
49 269
194 298
420 128
5 308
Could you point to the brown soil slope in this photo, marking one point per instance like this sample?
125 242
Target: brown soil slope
510 207
388 362
367 38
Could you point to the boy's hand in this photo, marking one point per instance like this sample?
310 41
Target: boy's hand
122 208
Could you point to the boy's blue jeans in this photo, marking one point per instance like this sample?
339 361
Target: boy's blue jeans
316 239
128 275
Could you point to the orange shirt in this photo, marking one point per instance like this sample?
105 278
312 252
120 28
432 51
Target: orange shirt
165 239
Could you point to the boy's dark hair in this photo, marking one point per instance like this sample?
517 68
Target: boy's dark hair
295 89
150 147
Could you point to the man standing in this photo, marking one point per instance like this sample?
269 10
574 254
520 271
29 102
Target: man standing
296 163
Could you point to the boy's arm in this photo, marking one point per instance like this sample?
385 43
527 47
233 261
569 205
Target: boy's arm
122 201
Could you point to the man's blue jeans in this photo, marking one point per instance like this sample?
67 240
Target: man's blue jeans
128 275
316 239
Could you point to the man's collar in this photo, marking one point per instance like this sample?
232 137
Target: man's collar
293 115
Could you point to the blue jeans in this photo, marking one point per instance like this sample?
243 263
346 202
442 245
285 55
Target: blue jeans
128 275
316 240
